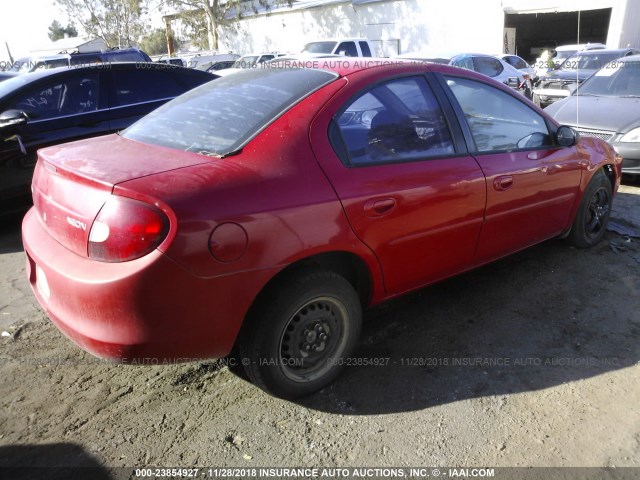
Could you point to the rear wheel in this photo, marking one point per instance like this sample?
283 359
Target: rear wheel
593 214
298 337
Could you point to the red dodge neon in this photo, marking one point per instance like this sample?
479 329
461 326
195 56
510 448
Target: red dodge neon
266 209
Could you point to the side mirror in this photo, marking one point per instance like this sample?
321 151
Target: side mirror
512 82
567 136
12 117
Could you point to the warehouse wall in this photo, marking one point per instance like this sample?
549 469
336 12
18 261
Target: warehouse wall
397 26
401 26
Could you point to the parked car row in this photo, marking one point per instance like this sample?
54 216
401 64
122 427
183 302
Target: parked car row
497 68
52 106
39 62
561 82
198 229
607 106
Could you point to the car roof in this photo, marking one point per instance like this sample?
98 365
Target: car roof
581 46
24 79
345 66
631 58
601 51
339 39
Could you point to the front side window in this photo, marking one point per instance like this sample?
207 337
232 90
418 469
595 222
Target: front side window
71 96
497 120
396 121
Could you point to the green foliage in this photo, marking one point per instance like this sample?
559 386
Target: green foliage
119 22
155 43
57 31
204 17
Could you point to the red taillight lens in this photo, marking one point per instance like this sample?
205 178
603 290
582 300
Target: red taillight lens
126 229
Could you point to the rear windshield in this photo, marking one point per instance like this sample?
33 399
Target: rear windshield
221 116
590 61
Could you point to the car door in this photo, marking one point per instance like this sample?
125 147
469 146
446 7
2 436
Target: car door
409 190
532 183
61 108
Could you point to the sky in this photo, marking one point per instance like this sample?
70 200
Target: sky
24 24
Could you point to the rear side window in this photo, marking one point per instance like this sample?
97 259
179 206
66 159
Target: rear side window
516 63
138 86
348 49
81 60
498 121
188 80
396 121
124 57
366 51
220 116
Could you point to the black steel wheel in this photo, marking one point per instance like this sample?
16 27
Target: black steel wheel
593 214
300 334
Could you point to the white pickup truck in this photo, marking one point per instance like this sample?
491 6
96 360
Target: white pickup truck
347 47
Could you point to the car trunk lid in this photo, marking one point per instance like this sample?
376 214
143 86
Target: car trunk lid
72 182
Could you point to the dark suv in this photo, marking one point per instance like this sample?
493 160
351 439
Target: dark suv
31 64
64 104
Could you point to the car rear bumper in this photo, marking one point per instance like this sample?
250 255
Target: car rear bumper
144 310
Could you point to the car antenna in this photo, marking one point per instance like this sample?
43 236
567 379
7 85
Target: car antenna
577 82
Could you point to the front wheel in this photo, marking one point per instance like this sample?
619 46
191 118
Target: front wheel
299 336
593 214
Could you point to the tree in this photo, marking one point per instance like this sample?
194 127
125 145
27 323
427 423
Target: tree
217 13
156 42
57 31
118 22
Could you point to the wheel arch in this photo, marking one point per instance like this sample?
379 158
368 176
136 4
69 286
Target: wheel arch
348 265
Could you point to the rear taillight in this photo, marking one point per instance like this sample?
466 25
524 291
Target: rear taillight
126 229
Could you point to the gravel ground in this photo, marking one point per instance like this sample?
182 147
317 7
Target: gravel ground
531 361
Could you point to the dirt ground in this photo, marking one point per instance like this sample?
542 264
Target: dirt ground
530 361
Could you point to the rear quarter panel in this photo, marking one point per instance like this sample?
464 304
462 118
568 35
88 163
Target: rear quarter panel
274 190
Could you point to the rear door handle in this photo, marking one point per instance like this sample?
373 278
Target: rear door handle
379 206
503 182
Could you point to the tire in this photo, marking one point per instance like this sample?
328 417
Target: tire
299 334
590 223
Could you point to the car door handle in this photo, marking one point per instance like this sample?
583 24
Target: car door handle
379 206
503 182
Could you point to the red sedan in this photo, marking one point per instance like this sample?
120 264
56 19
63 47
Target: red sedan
267 208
